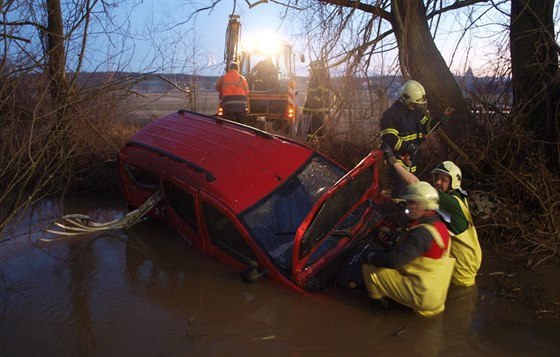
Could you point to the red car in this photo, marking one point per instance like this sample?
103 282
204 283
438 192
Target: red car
262 203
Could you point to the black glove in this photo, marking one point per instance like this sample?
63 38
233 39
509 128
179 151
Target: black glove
366 258
410 149
388 154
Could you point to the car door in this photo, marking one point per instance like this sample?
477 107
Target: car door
182 210
225 237
337 220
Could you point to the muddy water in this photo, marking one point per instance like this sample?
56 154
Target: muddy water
144 292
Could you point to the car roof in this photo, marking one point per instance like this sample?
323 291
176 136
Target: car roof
240 164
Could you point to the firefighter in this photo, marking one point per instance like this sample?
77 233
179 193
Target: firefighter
317 101
416 272
233 90
453 200
403 127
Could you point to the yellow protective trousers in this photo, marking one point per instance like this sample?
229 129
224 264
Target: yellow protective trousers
421 284
466 250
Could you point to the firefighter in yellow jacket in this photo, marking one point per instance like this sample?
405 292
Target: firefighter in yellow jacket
453 200
416 272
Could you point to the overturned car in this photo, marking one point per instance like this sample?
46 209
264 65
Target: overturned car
265 204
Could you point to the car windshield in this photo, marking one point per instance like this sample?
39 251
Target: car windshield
274 220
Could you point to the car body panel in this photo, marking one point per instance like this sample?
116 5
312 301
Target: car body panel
230 154
250 198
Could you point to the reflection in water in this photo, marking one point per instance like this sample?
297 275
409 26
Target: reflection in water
144 292
461 307
81 263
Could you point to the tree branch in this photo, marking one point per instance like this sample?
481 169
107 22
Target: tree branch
12 37
456 5
372 9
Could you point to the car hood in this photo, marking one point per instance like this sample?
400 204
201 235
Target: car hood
335 220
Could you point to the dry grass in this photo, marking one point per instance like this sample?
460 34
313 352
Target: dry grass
517 197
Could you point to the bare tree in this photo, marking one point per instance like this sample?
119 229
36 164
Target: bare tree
45 119
56 63
419 57
535 73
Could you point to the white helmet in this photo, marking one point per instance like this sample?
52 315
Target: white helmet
412 92
448 168
424 194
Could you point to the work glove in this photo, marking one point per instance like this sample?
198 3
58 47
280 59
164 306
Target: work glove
447 115
410 149
366 258
388 154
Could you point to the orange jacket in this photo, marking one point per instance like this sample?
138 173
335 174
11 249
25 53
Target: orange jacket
232 84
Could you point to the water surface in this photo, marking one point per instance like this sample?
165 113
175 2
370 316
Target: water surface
145 292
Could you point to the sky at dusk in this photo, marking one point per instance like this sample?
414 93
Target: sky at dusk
151 21
158 44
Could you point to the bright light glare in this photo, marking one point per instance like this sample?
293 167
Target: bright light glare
266 45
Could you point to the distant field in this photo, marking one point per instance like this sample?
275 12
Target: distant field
150 106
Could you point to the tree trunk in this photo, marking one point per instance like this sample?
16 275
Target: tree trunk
535 74
56 65
421 60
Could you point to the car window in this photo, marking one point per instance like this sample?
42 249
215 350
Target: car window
335 207
225 235
274 220
181 202
142 178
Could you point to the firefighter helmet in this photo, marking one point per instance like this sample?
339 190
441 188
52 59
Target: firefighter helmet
412 92
448 168
424 194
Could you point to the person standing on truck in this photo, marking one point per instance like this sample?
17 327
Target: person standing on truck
264 75
403 127
453 200
317 100
415 272
234 91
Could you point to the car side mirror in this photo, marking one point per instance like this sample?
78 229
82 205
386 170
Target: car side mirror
251 274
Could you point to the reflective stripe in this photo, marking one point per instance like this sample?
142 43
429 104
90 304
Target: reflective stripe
228 102
232 83
400 139
291 93
424 120
390 131
411 137
411 168
315 110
